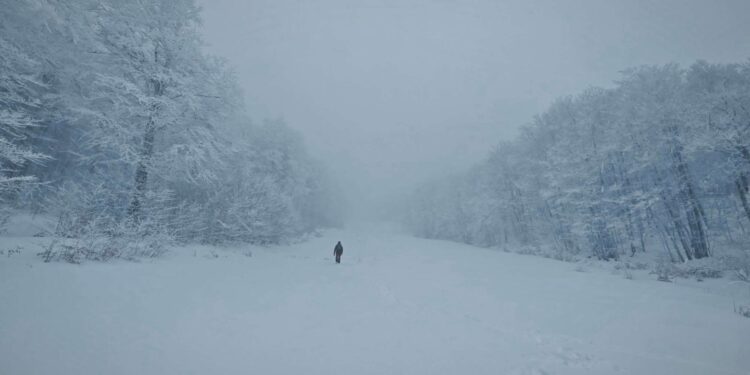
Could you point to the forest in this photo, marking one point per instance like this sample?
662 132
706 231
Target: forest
116 122
658 163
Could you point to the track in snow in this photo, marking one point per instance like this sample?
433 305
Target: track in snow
396 305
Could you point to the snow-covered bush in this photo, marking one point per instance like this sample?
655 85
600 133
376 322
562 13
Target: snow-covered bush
743 310
122 242
707 268
664 270
739 264
91 226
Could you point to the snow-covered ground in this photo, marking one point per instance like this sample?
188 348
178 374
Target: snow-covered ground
396 305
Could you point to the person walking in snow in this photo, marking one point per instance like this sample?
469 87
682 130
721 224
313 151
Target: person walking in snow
337 251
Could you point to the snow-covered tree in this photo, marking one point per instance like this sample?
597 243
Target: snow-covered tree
24 90
660 158
145 134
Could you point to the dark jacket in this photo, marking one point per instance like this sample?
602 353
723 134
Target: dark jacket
338 250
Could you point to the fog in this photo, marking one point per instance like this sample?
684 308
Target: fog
390 93
154 220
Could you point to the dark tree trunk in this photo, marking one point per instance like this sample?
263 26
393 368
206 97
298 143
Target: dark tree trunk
743 185
694 214
520 219
141 174
135 209
743 190
678 233
696 219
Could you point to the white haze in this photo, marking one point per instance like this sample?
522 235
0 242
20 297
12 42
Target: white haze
390 93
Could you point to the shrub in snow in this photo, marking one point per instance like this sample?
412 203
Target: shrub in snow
706 268
628 274
565 257
743 310
123 240
664 269
92 228
739 264
641 266
127 244
626 268
11 251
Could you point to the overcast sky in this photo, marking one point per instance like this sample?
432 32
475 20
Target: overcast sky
389 93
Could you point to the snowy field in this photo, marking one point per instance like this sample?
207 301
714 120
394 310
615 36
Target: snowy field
396 305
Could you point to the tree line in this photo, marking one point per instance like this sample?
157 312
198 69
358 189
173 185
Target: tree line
114 119
658 162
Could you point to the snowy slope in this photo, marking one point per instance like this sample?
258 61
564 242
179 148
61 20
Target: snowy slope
396 305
